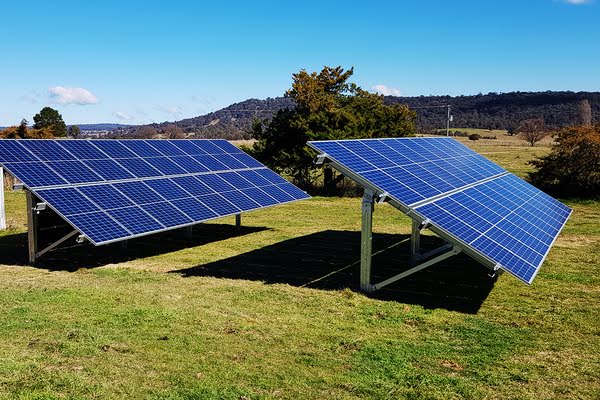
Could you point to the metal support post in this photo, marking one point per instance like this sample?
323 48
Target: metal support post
2 209
238 222
415 243
366 241
189 232
32 228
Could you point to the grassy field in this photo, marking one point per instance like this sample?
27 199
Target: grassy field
257 313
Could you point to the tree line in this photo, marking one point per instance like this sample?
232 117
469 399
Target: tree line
48 123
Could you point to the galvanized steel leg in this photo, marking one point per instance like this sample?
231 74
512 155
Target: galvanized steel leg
415 243
32 228
2 209
238 222
366 241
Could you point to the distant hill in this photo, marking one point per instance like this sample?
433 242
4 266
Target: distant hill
102 127
488 111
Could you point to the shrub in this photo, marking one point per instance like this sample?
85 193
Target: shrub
474 136
572 168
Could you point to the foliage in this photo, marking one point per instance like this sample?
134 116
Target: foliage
23 132
327 106
51 119
474 136
74 131
532 130
573 166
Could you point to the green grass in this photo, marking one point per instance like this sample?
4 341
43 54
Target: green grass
169 319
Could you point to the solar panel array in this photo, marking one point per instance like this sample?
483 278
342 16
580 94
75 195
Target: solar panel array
476 203
117 189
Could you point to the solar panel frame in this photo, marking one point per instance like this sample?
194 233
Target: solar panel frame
412 208
105 199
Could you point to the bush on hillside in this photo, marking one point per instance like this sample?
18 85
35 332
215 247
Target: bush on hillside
572 168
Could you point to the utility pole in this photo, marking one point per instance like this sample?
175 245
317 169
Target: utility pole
448 121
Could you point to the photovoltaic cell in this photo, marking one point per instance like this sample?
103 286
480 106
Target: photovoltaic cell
472 201
83 149
34 174
74 171
69 200
116 189
12 151
106 196
141 148
135 220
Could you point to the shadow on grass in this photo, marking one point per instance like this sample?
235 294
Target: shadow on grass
13 247
329 260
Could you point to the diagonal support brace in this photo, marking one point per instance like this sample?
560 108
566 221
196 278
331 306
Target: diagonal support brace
455 250
58 242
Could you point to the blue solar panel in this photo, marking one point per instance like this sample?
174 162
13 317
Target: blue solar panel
68 200
114 148
138 192
428 166
135 220
226 147
260 196
46 150
469 199
215 182
165 166
188 147
12 151
106 196
210 162
167 214
506 219
99 227
219 204
141 148
166 147
139 167
189 164
231 162
74 171
236 180
168 189
83 149
208 147
136 187
109 169
34 174
192 185
240 200
195 209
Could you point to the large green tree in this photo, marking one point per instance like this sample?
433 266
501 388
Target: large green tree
49 118
327 106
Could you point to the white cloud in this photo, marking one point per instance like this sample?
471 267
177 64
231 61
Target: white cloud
123 116
578 2
386 90
72 95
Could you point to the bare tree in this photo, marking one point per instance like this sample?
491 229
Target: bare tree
585 111
172 131
145 132
533 130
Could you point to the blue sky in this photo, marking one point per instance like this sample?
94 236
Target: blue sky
153 61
